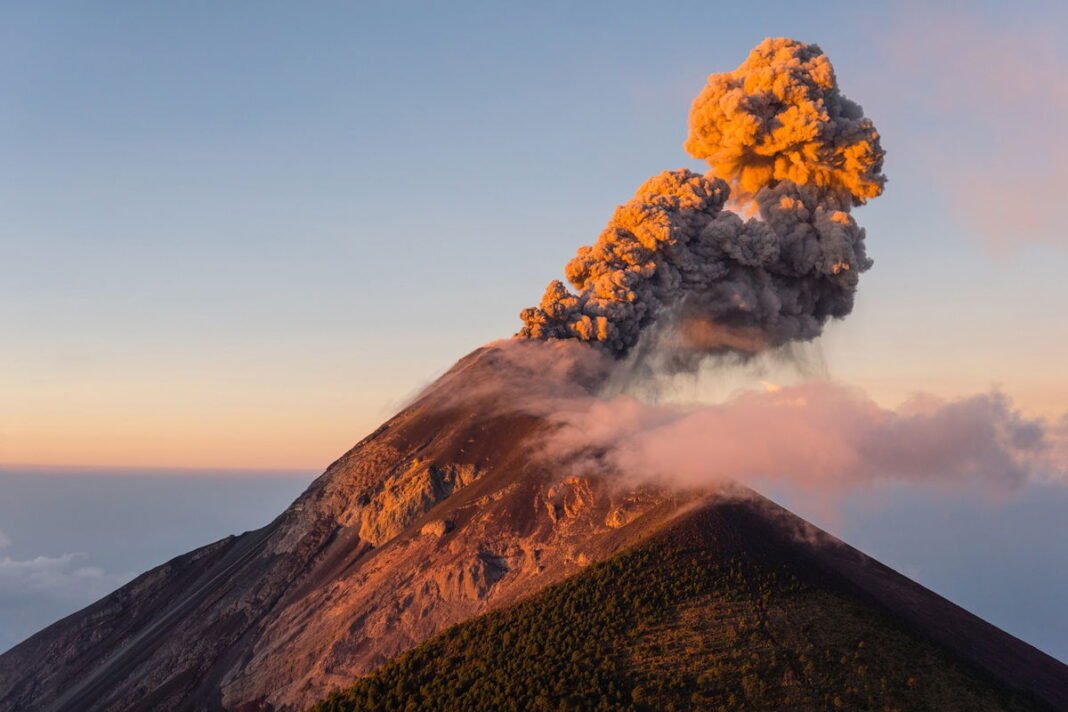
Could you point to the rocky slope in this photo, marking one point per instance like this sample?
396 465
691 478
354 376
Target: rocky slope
727 608
443 513
449 510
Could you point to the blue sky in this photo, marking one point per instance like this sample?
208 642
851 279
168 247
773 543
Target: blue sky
241 234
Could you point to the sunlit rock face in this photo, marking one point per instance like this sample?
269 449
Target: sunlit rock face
408 494
445 512
455 507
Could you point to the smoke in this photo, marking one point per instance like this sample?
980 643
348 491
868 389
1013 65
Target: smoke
780 117
819 436
677 276
796 153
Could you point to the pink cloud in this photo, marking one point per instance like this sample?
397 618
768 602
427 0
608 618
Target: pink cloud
819 436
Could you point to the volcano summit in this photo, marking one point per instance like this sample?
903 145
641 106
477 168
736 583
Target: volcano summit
502 543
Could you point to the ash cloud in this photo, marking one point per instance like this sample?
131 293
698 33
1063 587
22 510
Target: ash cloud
747 261
780 117
782 142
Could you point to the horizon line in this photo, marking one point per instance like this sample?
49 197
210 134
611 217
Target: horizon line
61 469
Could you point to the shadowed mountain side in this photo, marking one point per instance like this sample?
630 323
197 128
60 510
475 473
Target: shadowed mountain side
738 606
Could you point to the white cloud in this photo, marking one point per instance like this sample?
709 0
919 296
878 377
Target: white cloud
42 589
61 578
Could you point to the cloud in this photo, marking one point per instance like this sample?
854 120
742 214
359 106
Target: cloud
63 578
819 436
37 591
781 117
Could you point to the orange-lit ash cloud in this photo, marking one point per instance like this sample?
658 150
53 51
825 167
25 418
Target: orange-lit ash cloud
780 117
679 274
797 155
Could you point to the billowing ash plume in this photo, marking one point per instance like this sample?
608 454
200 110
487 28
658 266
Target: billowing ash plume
777 133
780 117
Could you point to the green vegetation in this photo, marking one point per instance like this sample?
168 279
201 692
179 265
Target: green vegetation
666 627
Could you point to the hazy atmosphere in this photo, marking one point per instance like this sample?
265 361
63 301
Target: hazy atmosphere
237 238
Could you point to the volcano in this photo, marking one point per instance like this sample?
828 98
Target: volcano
454 513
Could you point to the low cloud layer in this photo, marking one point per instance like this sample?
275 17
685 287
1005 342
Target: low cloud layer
65 578
38 590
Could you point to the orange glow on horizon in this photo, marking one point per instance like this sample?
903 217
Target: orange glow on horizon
309 439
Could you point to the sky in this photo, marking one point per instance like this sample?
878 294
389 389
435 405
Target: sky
105 528
241 235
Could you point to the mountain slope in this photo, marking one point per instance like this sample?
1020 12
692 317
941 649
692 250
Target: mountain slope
450 510
443 513
727 609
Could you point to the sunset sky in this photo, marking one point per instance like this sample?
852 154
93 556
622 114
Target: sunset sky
238 238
